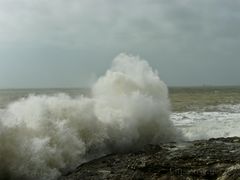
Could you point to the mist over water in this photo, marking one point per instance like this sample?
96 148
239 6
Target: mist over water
42 135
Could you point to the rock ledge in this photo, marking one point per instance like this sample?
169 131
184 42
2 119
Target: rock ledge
202 159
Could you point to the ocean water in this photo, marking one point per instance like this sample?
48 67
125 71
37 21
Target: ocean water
47 132
206 112
220 120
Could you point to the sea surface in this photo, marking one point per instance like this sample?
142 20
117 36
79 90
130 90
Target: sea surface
206 112
45 132
199 112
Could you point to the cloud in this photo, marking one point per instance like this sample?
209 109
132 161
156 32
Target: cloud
83 23
190 33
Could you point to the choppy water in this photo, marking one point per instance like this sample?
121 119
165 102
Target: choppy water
45 132
205 112
212 121
221 120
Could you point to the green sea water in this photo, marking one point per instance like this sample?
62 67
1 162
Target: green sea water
194 98
182 98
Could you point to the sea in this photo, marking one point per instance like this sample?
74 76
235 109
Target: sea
198 112
45 133
206 112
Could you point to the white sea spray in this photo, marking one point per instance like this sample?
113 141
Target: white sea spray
42 135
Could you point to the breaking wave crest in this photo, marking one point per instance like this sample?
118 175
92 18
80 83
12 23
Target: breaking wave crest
43 136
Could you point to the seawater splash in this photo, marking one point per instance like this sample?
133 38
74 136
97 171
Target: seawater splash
41 136
218 121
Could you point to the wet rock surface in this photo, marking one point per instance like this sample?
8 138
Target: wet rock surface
202 159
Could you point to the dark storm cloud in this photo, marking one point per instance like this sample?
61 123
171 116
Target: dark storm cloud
190 42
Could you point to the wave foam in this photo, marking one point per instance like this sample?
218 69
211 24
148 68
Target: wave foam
223 122
41 136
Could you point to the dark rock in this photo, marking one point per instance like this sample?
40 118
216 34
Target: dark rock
216 158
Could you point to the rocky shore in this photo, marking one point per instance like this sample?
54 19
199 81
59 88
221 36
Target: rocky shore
202 159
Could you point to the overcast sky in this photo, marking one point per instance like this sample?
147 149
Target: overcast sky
68 43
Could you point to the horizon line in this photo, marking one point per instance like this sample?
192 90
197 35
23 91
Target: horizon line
68 88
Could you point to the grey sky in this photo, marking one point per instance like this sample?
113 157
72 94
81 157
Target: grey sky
68 43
